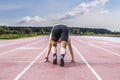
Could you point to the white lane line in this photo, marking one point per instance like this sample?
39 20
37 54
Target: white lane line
92 70
17 42
29 48
12 43
20 61
104 42
101 41
100 48
20 47
23 72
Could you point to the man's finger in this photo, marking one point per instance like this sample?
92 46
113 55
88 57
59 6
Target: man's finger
73 61
46 60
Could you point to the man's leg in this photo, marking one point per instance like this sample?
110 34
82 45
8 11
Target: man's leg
54 51
63 51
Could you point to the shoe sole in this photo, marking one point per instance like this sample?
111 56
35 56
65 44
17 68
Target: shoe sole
55 61
62 63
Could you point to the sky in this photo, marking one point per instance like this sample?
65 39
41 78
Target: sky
77 13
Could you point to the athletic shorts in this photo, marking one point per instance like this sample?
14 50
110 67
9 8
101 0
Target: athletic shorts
60 31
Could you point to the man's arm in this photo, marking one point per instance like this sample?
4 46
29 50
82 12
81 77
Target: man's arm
70 50
49 49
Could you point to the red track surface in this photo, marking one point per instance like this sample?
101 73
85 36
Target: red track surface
23 59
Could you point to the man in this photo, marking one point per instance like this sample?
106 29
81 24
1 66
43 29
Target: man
59 34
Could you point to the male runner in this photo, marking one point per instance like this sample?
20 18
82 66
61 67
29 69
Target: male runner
60 34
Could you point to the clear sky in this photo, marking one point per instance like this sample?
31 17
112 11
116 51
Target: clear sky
78 13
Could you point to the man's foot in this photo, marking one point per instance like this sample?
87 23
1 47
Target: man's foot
55 61
61 62
62 59
55 58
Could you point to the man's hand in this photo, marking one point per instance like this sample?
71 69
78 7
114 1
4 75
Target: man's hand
46 59
72 61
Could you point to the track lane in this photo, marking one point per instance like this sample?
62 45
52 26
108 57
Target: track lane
104 64
17 41
15 63
71 71
113 46
102 47
6 50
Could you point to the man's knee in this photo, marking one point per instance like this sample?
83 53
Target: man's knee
53 49
63 50
63 47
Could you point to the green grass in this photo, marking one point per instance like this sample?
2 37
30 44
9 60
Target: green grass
16 36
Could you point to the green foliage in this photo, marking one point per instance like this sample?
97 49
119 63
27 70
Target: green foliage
27 31
2 31
9 32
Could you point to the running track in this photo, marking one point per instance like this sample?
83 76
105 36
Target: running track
23 59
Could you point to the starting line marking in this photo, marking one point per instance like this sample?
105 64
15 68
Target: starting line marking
20 47
28 48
